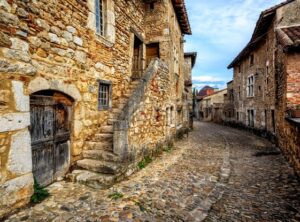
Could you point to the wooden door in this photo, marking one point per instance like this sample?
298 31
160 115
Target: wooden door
50 136
137 60
152 51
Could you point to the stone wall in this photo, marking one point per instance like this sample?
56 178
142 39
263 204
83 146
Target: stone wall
53 45
263 101
276 86
288 131
143 122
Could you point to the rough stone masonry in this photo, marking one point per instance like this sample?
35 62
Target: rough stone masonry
67 72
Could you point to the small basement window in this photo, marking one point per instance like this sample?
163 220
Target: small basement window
104 95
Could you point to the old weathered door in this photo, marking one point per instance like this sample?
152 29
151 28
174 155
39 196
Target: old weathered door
50 136
137 60
152 51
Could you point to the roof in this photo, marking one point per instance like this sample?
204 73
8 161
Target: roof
260 31
203 91
193 55
289 37
182 16
217 92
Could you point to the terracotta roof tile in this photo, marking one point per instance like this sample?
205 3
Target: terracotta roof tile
289 37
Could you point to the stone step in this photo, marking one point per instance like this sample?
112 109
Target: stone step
111 121
116 110
100 166
103 137
90 145
127 95
106 129
92 179
101 155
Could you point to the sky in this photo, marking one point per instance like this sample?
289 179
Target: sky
221 29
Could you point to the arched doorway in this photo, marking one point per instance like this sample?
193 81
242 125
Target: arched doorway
50 124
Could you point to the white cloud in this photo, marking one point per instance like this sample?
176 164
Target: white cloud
221 29
209 78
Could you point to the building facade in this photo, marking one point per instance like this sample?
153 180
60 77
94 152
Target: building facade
205 91
211 106
92 85
229 113
266 78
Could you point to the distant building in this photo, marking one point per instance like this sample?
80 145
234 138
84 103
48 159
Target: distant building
205 91
211 106
229 112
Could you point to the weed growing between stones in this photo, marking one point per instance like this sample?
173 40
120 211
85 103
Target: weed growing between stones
39 193
142 164
142 208
168 149
115 195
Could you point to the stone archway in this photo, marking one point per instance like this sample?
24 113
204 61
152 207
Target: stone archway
52 105
50 130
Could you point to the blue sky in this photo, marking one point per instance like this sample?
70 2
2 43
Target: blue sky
220 29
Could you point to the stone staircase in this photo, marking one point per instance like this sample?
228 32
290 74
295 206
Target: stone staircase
100 167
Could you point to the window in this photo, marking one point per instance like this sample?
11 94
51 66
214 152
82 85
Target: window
251 118
266 119
101 20
239 68
104 95
168 120
273 119
99 17
152 5
250 86
172 116
251 60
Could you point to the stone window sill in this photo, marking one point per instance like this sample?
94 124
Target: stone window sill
101 39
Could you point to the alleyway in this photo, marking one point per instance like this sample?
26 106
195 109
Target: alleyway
217 174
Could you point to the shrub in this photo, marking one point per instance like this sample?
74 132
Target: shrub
39 193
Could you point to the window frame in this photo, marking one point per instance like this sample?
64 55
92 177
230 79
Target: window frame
251 117
250 86
109 95
100 11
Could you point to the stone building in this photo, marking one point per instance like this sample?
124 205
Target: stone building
266 78
229 113
287 75
87 85
211 106
189 62
205 91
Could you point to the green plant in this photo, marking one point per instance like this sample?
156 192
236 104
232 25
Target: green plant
142 164
298 107
116 195
168 149
39 193
142 208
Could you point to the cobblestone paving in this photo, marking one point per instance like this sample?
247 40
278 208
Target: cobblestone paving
213 175
262 186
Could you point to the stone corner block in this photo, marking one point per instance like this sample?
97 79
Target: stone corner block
20 158
15 193
21 101
14 121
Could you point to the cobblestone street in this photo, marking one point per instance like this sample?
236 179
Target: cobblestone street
216 174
